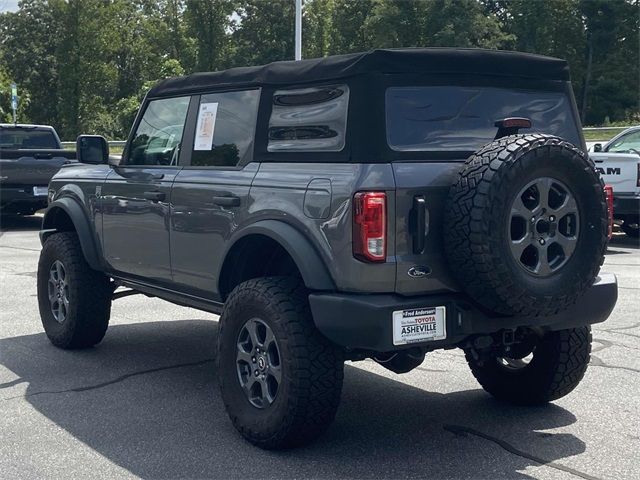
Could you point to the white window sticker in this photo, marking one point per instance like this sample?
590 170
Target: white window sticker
205 127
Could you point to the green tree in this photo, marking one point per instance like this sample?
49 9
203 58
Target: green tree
6 112
611 85
88 75
28 43
264 33
208 24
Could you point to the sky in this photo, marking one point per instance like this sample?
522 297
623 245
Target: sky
8 5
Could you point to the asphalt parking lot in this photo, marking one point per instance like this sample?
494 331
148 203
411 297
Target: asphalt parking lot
145 402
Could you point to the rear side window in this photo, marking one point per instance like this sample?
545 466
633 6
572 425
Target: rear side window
17 138
309 119
159 133
225 129
456 118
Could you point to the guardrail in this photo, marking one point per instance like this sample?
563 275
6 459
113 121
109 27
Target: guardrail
595 129
112 143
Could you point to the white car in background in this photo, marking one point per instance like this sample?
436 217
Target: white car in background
618 161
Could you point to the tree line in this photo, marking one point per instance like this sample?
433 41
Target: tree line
85 65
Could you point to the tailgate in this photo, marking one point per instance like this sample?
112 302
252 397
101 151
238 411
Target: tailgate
421 190
620 170
31 167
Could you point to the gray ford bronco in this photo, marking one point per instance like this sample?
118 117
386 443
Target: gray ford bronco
377 205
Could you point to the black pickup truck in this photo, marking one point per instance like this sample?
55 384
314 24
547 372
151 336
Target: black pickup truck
29 156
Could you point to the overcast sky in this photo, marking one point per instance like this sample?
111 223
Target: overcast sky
8 5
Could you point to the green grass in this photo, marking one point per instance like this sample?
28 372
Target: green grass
601 135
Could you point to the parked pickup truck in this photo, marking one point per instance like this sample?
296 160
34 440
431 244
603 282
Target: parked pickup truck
618 162
29 156
377 205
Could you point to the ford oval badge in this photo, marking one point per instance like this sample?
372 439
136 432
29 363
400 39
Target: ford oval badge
419 271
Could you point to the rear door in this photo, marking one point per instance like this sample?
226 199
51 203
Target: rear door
431 130
135 199
210 194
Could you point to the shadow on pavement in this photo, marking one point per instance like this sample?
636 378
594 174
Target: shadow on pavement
19 223
147 399
624 241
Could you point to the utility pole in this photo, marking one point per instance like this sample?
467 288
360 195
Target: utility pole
298 29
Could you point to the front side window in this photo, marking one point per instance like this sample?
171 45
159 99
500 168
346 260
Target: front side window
626 144
225 129
159 133
309 119
458 118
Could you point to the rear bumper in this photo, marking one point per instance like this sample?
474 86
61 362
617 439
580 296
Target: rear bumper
358 321
20 198
628 204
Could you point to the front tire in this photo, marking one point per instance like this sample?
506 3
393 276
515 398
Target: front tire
280 379
74 300
557 366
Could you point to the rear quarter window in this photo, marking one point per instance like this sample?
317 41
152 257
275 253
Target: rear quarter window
309 119
457 118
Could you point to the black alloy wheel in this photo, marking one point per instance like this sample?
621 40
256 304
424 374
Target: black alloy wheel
544 226
258 363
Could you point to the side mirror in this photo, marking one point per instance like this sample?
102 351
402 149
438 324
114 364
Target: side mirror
597 147
92 149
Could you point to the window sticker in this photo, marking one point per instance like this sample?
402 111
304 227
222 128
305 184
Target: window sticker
206 125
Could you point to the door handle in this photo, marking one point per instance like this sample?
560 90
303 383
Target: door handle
227 201
420 221
155 196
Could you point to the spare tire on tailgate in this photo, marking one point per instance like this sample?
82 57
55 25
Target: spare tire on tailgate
526 225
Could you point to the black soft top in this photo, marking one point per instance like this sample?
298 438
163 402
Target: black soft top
468 61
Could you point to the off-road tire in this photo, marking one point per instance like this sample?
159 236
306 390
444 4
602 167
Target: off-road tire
312 367
90 295
476 233
558 365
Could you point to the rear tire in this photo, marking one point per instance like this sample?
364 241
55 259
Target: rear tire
558 365
303 402
74 300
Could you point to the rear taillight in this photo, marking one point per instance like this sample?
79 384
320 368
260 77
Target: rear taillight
608 192
370 226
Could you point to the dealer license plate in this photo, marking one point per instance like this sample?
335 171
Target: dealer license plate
40 191
419 325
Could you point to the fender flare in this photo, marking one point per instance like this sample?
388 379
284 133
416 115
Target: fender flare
311 266
80 222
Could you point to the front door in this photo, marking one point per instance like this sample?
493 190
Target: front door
136 198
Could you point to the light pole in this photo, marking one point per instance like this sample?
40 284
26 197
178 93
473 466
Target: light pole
298 29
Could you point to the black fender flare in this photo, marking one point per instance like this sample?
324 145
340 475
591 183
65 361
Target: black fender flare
78 217
312 268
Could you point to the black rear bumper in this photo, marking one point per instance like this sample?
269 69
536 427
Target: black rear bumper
359 321
626 204
20 199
